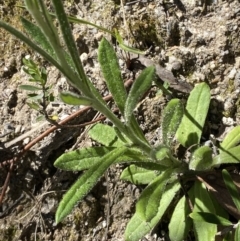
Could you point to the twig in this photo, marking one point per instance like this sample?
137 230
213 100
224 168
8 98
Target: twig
25 135
227 230
6 183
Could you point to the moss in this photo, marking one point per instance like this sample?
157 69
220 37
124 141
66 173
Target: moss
231 112
11 14
145 31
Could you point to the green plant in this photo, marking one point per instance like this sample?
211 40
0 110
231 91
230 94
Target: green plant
40 95
168 176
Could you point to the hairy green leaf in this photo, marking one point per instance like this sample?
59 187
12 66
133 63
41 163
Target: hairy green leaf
228 156
139 87
172 117
85 158
180 223
30 64
121 136
203 203
190 129
232 138
148 203
163 155
112 74
134 155
69 63
201 159
106 135
210 218
30 87
36 34
40 118
138 175
34 105
81 159
138 226
85 183
74 99
35 97
231 188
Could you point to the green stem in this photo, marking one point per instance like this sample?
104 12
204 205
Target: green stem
143 145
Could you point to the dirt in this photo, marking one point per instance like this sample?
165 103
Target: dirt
196 40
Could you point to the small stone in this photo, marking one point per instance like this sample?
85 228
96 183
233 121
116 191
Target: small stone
18 129
227 121
212 65
127 7
232 73
104 224
26 140
237 80
27 56
84 58
176 65
98 36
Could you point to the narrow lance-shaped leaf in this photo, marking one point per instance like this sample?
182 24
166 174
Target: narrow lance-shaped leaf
180 223
232 138
138 175
229 156
231 188
35 97
190 129
210 218
30 87
139 87
105 135
85 183
138 227
148 203
82 159
34 106
82 82
37 35
85 158
72 64
112 74
74 99
172 117
121 136
40 14
203 231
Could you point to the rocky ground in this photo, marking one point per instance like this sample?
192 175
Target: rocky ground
196 40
